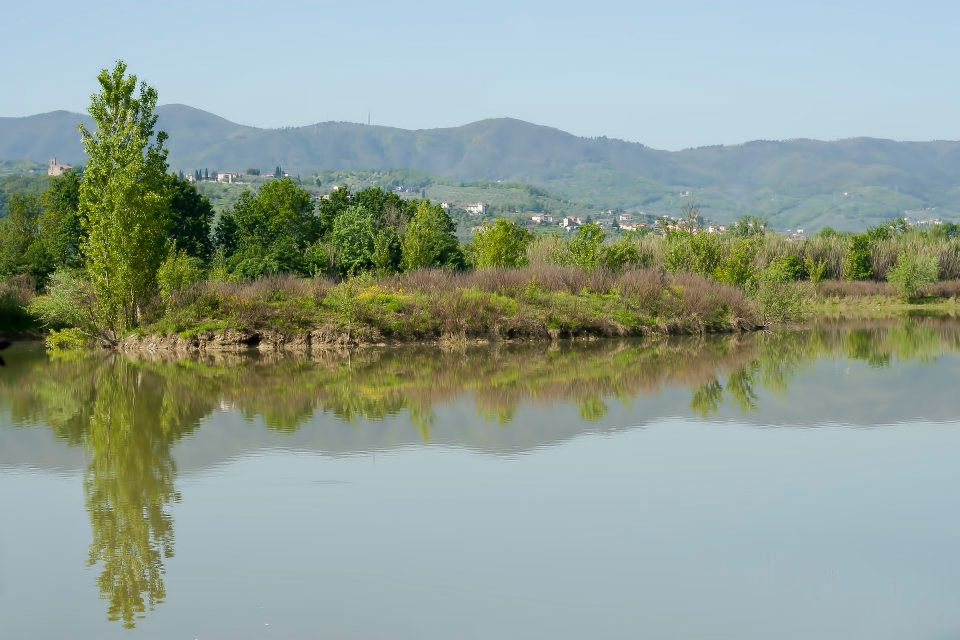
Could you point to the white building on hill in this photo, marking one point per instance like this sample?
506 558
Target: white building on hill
55 168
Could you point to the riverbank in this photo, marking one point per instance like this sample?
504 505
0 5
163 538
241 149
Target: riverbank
291 314
295 314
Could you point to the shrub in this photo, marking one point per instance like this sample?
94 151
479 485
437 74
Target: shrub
858 264
178 271
585 246
500 244
779 297
699 253
814 268
736 266
69 339
911 273
70 302
619 255
789 267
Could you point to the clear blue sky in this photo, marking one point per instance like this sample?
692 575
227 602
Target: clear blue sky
668 73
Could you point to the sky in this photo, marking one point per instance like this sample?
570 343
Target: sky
668 73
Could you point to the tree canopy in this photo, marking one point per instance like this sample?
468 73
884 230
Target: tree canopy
122 202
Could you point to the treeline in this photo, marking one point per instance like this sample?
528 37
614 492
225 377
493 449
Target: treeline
280 229
42 233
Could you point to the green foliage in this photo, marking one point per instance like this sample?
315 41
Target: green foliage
502 243
71 301
791 267
332 205
21 249
123 205
747 226
693 252
191 216
814 268
269 232
736 263
25 184
857 265
178 271
912 273
321 258
59 225
387 249
428 241
64 340
15 296
353 236
620 255
585 247
779 297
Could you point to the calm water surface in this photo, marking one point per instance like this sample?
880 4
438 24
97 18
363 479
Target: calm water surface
791 485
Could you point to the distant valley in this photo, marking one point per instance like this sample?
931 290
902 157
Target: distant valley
847 184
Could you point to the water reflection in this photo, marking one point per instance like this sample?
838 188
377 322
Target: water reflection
128 414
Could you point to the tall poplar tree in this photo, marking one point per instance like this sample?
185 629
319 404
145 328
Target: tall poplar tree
122 205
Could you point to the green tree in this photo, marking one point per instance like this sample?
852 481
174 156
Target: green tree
693 252
858 265
331 206
270 231
353 237
178 271
429 239
736 263
60 230
502 243
20 248
585 247
123 205
191 216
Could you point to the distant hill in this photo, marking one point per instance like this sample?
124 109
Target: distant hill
848 183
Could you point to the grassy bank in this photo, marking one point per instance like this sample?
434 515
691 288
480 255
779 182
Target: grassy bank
866 299
430 305
540 302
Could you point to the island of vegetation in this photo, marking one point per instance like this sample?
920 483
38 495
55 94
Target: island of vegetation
124 254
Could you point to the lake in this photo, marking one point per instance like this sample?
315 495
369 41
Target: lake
798 484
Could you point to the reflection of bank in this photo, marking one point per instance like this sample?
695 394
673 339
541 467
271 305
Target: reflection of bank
128 415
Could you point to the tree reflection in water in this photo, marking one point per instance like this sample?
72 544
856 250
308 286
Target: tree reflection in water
128 414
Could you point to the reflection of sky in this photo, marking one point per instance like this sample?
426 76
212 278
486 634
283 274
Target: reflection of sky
683 529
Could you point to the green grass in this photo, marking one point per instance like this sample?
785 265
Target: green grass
868 307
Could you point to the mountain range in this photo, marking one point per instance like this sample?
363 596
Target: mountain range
846 183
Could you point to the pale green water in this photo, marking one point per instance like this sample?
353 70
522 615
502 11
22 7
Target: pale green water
799 485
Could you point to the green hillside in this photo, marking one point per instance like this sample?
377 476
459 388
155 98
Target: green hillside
515 165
